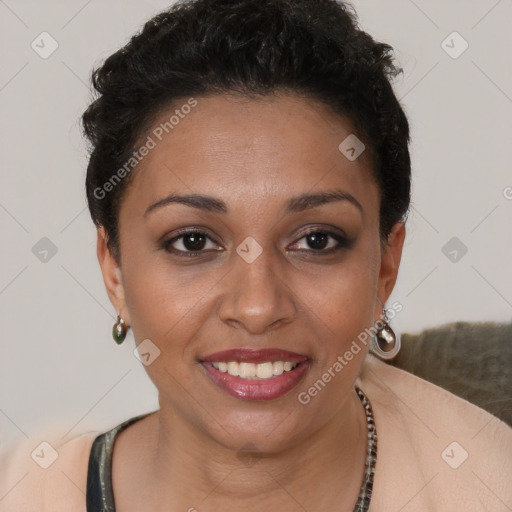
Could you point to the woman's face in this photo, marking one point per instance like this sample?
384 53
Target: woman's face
252 278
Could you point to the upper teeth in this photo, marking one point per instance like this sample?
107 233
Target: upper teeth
265 370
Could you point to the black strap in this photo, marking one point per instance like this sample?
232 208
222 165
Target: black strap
100 496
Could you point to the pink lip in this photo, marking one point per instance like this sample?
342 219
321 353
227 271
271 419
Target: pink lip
247 355
255 389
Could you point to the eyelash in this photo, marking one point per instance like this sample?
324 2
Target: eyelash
343 243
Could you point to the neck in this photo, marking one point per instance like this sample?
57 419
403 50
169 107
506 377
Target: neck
187 468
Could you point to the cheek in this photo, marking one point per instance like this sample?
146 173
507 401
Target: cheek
342 296
167 312
161 301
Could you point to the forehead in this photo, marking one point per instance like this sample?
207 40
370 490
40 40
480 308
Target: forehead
239 148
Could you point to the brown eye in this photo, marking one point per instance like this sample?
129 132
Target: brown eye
317 240
190 243
194 241
323 242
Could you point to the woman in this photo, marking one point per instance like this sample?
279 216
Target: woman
249 178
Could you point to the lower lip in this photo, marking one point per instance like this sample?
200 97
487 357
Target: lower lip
252 389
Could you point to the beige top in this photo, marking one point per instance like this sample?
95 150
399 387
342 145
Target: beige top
436 453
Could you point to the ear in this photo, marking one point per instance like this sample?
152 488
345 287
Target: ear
112 275
389 264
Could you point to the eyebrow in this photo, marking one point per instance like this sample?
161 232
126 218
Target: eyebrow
295 204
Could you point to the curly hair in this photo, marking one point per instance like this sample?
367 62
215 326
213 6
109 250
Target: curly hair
254 48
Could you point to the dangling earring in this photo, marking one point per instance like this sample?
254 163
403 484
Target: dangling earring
119 330
385 343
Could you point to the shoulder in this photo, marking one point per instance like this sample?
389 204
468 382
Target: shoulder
436 450
46 473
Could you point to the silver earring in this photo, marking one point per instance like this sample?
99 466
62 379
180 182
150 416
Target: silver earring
385 343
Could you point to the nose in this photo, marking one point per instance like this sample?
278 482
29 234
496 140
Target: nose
256 296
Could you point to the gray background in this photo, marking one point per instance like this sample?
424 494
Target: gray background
59 365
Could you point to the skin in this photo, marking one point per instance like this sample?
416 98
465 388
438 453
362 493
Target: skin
254 155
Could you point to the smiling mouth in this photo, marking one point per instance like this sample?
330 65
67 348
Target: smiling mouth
256 374
260 371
